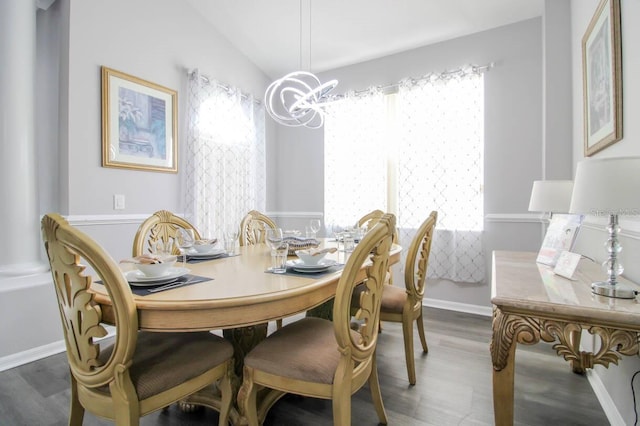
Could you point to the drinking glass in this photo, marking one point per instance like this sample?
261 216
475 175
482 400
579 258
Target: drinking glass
231 240
185 238
279 258
314 225
274 239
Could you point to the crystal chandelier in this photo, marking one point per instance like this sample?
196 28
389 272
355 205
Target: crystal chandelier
298 98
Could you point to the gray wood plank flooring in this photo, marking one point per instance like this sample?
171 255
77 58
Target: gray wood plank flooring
453 388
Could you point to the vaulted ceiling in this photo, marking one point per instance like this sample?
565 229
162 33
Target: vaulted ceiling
280 36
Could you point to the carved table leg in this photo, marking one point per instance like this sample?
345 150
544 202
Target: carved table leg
243 340
503 390
576 364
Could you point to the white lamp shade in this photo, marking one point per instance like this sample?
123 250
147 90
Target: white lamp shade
607 186
551 196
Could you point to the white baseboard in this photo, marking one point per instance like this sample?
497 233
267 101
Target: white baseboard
608 406
459 307
25 357
35 354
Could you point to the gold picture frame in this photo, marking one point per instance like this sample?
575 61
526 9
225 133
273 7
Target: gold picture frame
139 123
602 78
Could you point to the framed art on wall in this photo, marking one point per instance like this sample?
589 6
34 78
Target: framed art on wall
139 123
602 78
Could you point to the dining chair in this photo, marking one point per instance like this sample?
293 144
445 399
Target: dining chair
370 219
139 372
253 227
319 358
404 305
160 226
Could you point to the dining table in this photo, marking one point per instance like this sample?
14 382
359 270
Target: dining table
238 295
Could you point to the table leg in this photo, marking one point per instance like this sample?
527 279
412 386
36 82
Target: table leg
243 340
503 390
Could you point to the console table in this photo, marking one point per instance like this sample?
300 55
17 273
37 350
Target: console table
531 303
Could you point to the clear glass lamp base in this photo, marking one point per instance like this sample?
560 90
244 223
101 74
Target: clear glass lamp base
617 291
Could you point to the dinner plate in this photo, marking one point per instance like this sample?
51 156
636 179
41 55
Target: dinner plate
300 266
139 279
211 254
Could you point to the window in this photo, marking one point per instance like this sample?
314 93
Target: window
418 150
225 166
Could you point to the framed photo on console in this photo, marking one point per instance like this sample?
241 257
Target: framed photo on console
139 123
602 78
561 235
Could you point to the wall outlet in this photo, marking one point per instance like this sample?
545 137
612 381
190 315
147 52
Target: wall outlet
118 202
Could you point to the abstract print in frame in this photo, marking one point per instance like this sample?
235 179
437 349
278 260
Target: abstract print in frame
602 77
139 123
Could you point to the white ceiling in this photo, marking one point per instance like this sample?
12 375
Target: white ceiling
344 32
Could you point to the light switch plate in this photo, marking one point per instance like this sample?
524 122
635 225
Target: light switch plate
118 202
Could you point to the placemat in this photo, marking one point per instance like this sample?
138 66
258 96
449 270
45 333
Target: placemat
198 260
290 271
144 291
185 280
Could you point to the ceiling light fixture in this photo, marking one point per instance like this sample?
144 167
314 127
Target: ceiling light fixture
297 99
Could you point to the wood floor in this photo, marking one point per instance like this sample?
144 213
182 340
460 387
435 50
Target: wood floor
453 388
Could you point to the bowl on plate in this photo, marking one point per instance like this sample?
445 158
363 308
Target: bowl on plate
311 257
159 268
204 246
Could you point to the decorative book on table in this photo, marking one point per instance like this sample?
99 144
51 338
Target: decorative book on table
561 235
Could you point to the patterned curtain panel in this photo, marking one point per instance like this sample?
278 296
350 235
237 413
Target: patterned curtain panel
440 150
225 174
412 152
355 178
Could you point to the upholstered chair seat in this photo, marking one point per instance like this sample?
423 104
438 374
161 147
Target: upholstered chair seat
308 352
165 360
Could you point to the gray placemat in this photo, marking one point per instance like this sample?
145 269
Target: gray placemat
221 256
143 291
320 274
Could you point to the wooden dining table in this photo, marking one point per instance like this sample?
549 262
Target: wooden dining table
240 298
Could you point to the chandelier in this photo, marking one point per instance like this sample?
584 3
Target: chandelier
298 98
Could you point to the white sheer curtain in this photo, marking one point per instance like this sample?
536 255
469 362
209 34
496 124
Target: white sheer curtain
440 124
225 173
412 152
355 157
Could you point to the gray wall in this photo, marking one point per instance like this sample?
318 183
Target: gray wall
513 138
616 380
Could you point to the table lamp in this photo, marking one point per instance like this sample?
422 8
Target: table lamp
608 186
551 196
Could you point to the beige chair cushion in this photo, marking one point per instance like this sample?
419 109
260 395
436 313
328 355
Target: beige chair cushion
165 360
393 298
306 349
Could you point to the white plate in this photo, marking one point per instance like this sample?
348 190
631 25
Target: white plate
300 266
137 278
215 252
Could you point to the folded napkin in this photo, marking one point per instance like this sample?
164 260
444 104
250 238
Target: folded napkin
300 243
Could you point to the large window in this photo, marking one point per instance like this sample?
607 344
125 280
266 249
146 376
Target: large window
411 152
225 173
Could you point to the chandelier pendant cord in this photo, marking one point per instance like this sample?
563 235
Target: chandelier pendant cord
298 98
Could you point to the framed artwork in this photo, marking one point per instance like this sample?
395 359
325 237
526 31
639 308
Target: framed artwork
561 235
139 123
602 78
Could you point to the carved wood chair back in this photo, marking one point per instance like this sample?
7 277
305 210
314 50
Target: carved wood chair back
161 226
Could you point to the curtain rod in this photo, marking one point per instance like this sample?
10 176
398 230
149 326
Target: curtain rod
227 88
393 87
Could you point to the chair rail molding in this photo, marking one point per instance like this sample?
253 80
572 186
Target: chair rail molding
296 214
515 218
